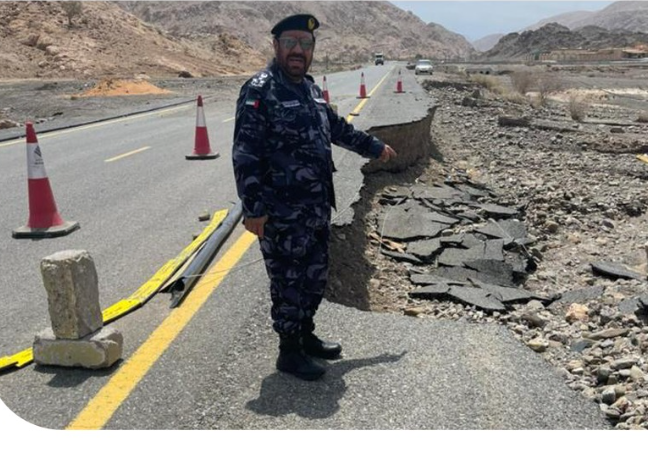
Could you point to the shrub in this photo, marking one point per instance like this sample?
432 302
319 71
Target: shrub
643 117
488 82
547 84
71 9
523 82
515 97
577 108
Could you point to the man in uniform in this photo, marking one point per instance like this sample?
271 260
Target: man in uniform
284 176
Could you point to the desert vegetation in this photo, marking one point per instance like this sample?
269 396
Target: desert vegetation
577 108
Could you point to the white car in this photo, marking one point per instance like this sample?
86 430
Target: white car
423 66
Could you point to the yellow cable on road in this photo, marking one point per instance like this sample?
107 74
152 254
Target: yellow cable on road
103 406
139 297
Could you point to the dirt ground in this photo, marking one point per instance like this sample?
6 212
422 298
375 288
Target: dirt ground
111 87
61 103
52 103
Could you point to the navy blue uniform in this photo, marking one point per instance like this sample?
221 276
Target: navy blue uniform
284 170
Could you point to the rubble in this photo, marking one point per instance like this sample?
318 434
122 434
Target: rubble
566 203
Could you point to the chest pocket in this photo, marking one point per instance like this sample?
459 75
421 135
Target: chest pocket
292 121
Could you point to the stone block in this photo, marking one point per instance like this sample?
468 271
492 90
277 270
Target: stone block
95 351
72 287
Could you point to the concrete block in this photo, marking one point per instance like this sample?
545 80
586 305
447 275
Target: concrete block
95 351
72 287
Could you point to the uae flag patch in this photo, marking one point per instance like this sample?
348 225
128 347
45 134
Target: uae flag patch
253 103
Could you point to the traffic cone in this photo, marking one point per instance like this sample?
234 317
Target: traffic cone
363 89
399 84
44 219
201 148
325 91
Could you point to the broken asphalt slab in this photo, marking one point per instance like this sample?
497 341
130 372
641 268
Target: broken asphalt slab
615 270
405 222
579 296
468 257
635 305
478 297
464 274
403 257
504 229
425 249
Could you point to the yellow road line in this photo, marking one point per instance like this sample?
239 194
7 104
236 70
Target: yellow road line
102 407
362 103
228 120
87 127
139 150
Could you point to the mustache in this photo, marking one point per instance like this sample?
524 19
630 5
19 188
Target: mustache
295 56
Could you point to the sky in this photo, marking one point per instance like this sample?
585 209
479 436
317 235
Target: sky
475 20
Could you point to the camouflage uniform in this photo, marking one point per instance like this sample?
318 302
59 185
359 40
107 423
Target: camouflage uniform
284 169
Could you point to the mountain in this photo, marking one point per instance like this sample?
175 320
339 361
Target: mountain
554 36
349 31
202 38
631 16
570 20
37 41
487 42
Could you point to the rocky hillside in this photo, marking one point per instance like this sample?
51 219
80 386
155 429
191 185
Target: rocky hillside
36 40
631 16
349 32
554 36
570 20
487 42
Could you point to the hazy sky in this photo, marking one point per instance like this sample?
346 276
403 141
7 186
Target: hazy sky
475 20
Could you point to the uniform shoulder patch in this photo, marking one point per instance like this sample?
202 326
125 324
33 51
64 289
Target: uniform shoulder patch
260 79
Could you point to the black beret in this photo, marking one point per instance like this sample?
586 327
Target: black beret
303 22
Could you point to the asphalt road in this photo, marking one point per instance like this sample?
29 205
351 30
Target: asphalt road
135 213
217 369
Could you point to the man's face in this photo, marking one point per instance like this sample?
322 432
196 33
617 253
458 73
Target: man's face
294 61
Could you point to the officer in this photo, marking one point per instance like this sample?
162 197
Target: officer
284 176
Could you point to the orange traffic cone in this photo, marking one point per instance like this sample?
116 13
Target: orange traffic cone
399 84
325 91
44 219
202 150
363 89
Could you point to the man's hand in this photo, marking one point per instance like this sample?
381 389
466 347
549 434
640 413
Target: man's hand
255 225
387 154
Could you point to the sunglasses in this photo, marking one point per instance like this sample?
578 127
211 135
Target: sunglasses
290 42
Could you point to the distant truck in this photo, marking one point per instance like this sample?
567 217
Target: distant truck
379 58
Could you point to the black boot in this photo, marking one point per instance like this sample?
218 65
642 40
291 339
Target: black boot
294 361
316 347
